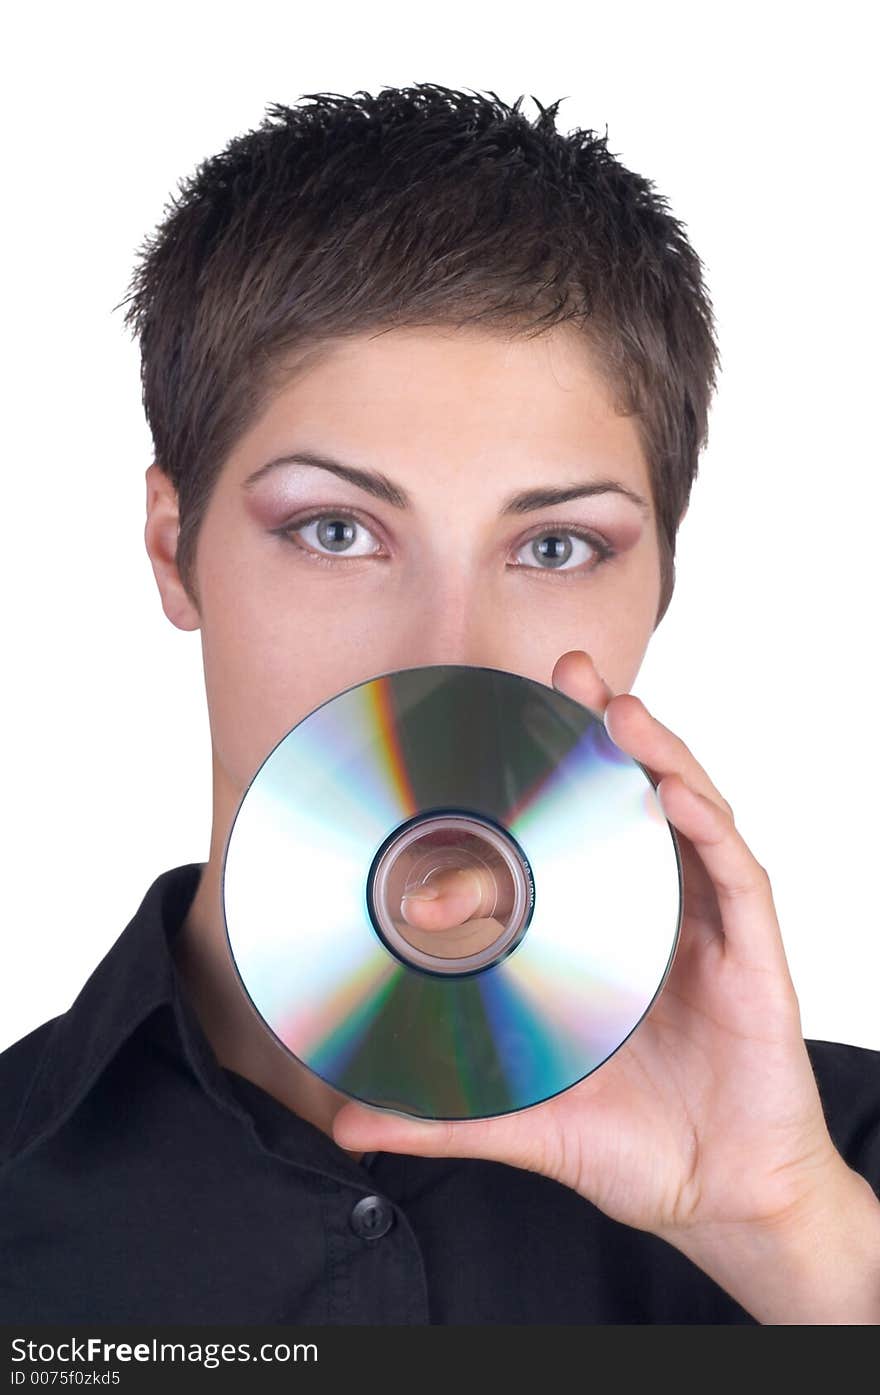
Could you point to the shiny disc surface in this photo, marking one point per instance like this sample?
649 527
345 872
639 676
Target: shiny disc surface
572 817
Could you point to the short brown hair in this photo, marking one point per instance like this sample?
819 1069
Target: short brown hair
418 206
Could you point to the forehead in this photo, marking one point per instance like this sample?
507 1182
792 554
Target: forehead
454 394
450 364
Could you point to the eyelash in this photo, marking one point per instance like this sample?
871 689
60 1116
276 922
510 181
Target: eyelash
604 551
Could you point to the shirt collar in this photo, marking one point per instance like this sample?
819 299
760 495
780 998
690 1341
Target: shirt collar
134 978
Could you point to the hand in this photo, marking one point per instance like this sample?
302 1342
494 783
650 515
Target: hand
708 1117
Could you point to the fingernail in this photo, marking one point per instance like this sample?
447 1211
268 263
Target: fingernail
426 893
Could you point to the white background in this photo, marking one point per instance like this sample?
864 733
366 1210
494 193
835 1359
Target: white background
755 122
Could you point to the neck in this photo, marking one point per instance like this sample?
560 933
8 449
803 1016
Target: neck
239 1039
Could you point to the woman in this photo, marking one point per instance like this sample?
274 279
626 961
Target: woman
427 384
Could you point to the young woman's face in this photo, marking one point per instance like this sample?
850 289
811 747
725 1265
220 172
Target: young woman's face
309 583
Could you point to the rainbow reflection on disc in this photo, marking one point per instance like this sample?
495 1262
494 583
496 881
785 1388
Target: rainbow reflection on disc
397 777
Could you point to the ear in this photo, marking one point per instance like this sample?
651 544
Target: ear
160 537
683 514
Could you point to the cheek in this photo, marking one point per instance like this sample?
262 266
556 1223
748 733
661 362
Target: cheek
274 648
611 616
627 620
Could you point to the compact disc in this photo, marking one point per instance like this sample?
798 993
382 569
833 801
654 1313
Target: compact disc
396 787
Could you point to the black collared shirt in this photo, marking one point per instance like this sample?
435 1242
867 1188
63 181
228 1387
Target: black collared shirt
142 1181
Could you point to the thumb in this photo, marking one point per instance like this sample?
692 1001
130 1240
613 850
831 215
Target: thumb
453 897
358 1128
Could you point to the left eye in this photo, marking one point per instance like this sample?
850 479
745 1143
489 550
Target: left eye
554 549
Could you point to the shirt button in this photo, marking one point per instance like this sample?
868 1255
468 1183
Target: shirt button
372 1217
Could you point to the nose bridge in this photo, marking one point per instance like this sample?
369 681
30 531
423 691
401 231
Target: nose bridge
452 620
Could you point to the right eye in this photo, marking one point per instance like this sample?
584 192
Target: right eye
331 536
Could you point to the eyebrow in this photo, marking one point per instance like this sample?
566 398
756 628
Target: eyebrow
383 488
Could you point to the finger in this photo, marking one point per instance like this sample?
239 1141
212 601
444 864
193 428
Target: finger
450 898
741 884
575 674
359 1128
633 728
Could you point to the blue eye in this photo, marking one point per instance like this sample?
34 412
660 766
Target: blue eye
342 536
552 550
335 532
